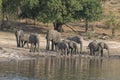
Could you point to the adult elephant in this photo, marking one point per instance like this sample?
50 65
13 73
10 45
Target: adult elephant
21 38
54 37
95 46
77 39
19 34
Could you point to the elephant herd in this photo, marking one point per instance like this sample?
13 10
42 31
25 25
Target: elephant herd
56 43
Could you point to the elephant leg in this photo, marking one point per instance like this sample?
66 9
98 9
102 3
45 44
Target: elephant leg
81 48
27 44
38 47
31 47
56 47
101 53
71 52
65 52
91 51
17 41
48 45
52 45
22 43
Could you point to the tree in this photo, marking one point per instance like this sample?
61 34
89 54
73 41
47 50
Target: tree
59 12
92 11
29 9
113 22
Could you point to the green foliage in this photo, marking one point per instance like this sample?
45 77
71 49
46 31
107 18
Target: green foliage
112 21
92 10
55 11
0 5
10 6
60 10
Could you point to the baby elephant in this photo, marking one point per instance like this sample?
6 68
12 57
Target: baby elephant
103 45
72 46
95 46
34 41
77 39
63 47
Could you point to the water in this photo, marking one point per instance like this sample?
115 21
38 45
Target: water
54 68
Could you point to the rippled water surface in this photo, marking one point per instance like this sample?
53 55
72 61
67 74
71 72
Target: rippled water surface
62 68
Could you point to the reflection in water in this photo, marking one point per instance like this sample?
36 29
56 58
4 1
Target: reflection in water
60 68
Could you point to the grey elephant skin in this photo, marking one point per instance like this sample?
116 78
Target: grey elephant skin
63 47
77 39
103 45
72 46
19 34
95 46
34 41
21 38
54 37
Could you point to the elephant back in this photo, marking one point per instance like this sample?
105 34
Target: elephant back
103 45
53 35
19 33
62 45
34 38
77 39
94 45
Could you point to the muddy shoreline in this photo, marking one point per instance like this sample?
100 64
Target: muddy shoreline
9 51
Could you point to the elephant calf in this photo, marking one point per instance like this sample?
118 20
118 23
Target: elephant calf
77 39
63 47
95 46
72 46
103 45
34 41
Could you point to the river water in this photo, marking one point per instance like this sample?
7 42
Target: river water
61 68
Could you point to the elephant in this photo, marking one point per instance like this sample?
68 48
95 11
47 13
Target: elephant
72 46
95 46
25 39
54 37
103 45
21 38
34 41
63 47
77 39
19 34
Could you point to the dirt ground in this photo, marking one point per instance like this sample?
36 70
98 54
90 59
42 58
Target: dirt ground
9 51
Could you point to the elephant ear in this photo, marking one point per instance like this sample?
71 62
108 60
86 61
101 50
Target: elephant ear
101 44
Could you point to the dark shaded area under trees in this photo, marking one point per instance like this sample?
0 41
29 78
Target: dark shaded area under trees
58 12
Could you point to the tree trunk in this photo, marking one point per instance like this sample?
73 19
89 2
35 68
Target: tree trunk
113 32
58 27
86 26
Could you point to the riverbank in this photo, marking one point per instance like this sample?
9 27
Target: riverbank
9 51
